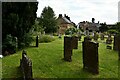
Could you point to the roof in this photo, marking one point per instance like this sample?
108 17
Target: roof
66 20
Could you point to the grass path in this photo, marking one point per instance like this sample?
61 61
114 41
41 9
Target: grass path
47 62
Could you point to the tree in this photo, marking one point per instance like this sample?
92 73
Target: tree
103 27
17 20
48 20
118 26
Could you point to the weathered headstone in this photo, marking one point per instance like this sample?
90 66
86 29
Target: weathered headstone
37 42
90 57
26 66
109 39
67 48
59 36
79 36
102 36
74 42
70 43
116 42
96 36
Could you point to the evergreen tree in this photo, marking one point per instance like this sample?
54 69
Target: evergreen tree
17 20
48 20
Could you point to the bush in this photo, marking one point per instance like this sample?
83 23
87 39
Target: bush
46 38
71 31
26 41
9 45
112 31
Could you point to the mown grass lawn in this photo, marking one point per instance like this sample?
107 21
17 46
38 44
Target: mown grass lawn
47 62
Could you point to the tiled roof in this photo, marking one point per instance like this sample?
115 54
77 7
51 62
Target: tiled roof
66 20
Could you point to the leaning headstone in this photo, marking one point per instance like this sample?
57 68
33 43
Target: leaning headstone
37 42
90 57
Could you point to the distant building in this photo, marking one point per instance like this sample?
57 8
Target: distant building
91 26
64 23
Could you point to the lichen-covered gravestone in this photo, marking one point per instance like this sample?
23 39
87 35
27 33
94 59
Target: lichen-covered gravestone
90 56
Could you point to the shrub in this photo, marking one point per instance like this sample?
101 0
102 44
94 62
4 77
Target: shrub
46 38
71 31
26 41
9 45
112 31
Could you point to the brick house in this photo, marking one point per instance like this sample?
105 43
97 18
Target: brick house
92 26
64 23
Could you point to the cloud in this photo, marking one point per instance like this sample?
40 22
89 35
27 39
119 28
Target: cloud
80 10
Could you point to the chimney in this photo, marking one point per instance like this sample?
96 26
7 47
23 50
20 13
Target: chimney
64 15
60 15
98 22
93 20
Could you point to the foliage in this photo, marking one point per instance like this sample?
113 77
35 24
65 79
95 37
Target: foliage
9 45
71 31
118 27
103 27
48 20
112 31
26 41
46 38
17 19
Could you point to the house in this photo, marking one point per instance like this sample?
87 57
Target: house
64 23
91 26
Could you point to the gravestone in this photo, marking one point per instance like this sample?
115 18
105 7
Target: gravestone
109 39
90 56
119 54
59 35
70 43
116 42
79 35
26 66
95 37
37 42
74 42
102 36
67 48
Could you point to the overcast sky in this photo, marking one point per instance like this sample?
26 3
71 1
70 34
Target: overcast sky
83 10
